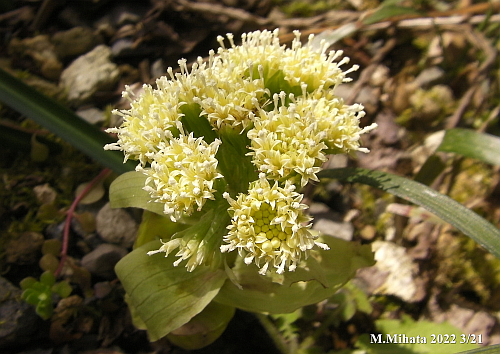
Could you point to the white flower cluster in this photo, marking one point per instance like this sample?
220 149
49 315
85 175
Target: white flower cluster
182 174
282 100
268 226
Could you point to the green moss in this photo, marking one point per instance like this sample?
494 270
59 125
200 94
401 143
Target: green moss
472 182
465 267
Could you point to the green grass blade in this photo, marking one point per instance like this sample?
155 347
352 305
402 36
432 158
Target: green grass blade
465 220
492 349
469 143
61 121
388 11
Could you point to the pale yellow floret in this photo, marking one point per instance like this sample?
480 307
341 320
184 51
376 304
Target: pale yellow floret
230 98
294 138
151 115
193 250
182 174
300 64
338 121
304 64
259 48
283 143
269 226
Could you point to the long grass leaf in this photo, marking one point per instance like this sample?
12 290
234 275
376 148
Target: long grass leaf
61 121
464 219
469 143
492 349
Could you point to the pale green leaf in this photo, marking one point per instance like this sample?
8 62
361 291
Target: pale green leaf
331 37
154 226
165 297
61 121
440 205
469 143
301 287
127 192
388 11
93 195
204 328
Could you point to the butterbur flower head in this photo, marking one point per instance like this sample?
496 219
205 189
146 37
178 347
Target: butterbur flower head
269 226
285 142
151 117
244 130
182 174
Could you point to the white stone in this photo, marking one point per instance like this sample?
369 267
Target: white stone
394 260
88 74
116 226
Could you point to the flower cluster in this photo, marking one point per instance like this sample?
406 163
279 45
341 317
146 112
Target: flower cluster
259 118
269 225
182 173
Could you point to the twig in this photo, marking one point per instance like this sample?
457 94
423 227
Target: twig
476 39
64 252
428 22
453 120
495 112
47 8
216 9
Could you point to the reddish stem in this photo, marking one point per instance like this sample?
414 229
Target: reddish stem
64 252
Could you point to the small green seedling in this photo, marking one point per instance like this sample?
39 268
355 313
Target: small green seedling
39 293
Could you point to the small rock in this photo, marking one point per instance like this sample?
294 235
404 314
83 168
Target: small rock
344 91
368 232
392 259
25 249
389 132
468 320
454 44
45 194
380 76
429 76
158 68
74 42
116 226
370 97
92 115
343 230
46 87
102 289
329 222
55 231
19 319
122 46
88 74
124 13
101 261
41 51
